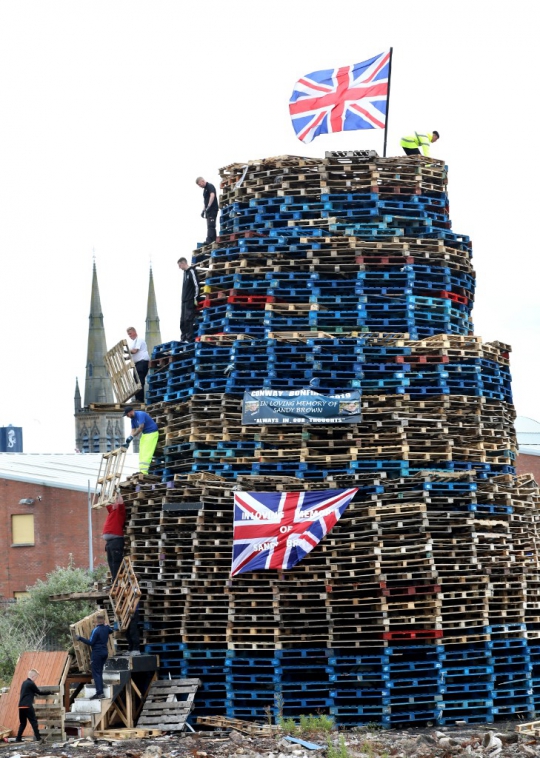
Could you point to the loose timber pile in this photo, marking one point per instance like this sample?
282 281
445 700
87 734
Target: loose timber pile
423 603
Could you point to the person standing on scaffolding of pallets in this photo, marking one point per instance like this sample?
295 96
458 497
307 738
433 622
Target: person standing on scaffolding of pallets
143 424
190 297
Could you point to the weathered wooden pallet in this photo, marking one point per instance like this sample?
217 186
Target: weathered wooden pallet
122 372
168 704
125 594
83 628
109 477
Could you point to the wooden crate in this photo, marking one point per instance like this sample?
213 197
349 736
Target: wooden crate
125 594
109 477
121 368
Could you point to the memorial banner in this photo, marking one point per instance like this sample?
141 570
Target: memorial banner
300 407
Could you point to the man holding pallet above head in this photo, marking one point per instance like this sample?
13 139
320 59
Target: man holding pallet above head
143 424
418 140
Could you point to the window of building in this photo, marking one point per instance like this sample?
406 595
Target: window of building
21 595
22 529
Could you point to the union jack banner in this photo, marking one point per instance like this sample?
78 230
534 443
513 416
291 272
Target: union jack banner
275 530
341 99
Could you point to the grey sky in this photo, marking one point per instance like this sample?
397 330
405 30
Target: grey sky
110 110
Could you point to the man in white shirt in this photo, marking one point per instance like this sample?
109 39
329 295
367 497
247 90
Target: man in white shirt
139 353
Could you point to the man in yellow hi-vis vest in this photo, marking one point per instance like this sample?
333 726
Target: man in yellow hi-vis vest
419 141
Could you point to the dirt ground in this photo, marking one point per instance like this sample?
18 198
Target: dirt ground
489 740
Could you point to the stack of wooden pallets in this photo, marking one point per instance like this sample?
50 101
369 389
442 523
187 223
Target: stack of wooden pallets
423 602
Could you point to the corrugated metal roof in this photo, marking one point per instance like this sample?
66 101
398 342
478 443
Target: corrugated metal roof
528 435
70 471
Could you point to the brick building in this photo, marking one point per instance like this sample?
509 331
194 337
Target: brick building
528 436
44 515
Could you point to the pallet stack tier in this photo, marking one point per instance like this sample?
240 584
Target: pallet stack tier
422 604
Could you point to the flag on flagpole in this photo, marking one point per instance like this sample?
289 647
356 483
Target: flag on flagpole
341 99
275 530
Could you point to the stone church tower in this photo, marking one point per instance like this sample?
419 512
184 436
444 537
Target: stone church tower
96 431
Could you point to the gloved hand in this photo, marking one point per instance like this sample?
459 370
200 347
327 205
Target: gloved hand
128 442
78 638
115 626
203 214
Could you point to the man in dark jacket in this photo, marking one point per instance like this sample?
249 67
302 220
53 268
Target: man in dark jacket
98 641
210 209
190 296
26 706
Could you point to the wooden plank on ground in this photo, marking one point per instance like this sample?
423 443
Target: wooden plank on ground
239 725
126 734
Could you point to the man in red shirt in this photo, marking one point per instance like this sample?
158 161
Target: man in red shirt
113 534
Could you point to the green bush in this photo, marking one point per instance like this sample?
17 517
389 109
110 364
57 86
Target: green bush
29 623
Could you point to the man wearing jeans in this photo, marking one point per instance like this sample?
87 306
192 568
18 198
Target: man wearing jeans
99 640
210 210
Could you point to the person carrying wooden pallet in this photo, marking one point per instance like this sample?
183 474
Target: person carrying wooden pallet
419 141
113 534
141 359
143 424
98 642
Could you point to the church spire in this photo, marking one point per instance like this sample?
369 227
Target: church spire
153 333
97 387
77 397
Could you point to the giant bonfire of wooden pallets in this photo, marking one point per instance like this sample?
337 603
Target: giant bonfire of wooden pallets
422 604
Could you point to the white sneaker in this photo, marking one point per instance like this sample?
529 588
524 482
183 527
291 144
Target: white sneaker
135 652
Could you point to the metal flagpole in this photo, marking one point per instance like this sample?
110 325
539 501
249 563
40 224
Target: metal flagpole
90 535
387 101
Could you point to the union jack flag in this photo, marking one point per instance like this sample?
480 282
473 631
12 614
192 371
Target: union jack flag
275 530
341 99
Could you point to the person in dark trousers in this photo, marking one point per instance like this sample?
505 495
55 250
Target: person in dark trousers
141 359
113 533
190 297
210 210
26 706
98 642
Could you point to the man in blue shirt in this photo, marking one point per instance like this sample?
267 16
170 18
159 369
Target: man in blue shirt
143 424
99 640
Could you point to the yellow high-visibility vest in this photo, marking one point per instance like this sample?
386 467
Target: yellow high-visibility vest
419 140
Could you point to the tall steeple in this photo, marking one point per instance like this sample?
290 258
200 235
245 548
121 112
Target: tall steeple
97 386
153 333
77 397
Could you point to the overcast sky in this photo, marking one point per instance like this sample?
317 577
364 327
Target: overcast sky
109 110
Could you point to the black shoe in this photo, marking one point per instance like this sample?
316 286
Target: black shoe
18 739
38 739
98 696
